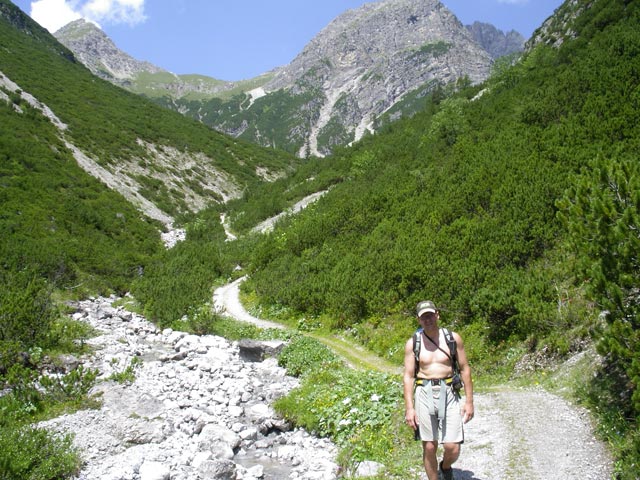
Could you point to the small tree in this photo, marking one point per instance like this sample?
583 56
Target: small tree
27 313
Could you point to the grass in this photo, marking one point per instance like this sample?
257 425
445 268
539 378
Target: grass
355 355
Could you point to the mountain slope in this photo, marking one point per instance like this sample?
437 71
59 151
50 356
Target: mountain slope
90 173
368 58
146 152
99 54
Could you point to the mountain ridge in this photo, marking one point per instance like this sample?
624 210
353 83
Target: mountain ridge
322 98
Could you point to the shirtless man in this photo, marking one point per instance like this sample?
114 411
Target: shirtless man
438 412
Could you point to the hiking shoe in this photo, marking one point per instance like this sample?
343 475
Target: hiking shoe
445 474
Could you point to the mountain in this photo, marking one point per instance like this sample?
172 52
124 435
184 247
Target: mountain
356 69
99 54
367 59
495 41
79 153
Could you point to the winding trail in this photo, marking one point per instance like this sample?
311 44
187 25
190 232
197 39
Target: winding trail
517 434
226 301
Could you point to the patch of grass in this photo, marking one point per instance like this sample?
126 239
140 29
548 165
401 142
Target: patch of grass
128 374
129 303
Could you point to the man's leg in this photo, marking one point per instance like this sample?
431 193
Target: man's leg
429 450
451 454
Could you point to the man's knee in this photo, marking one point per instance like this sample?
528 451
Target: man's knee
451 449
430 448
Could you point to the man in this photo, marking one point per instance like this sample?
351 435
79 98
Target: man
438 413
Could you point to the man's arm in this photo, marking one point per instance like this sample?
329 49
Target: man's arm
407 380
465 374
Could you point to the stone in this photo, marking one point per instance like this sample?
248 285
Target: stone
219 469
154 471
169 422
257 351
368 468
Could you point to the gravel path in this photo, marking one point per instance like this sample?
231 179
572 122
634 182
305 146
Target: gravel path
226 301
530 434
516 434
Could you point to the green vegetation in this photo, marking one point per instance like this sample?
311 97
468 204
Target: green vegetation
359 410
30 330
430 50
33 454
513 205
262 123
127 373
108 123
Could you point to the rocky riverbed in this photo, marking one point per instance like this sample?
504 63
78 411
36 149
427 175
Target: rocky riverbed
196 410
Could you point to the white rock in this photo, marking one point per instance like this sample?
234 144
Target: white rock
368 469
154 471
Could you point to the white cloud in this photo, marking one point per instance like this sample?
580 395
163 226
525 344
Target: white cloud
115 11
54 14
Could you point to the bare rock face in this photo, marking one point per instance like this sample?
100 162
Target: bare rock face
99 54
495 41
368 58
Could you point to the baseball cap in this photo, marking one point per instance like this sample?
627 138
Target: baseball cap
425 306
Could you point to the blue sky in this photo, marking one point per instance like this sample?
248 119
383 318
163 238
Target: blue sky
239 39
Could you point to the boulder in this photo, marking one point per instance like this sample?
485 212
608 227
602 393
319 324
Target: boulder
257 351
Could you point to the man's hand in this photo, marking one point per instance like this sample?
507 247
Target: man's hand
411 418
467 412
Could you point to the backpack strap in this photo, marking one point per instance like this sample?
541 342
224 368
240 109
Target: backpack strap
453 348
416 352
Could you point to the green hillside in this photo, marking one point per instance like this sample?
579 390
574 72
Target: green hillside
513 205
58 217
122 131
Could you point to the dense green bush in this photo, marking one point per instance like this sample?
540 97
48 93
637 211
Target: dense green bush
181 278
27 314
304 355
29 453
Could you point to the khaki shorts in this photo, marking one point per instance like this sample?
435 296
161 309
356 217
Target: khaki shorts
446 430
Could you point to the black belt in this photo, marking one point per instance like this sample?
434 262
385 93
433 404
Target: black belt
434 381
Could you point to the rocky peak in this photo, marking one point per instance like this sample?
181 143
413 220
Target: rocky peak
495 41
99 54
366 59
383 35
353 71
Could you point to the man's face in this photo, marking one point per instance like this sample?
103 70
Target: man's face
428 318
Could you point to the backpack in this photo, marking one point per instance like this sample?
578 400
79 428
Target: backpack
451 343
